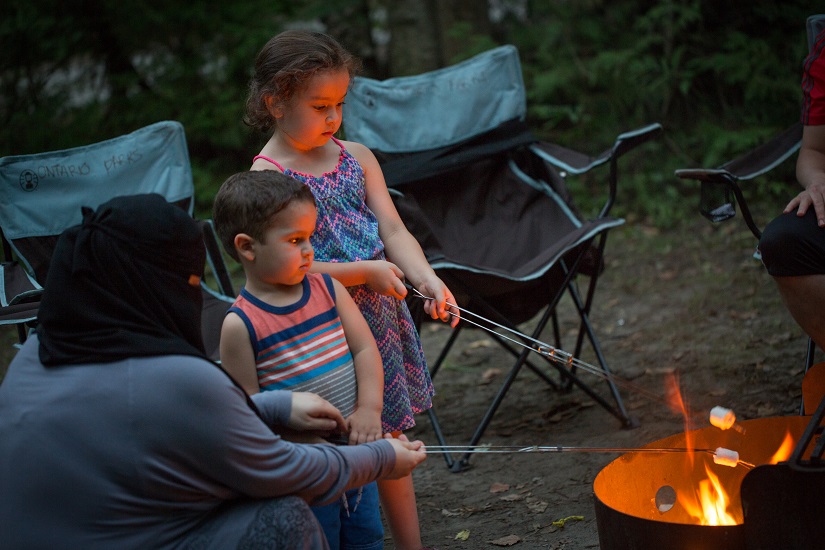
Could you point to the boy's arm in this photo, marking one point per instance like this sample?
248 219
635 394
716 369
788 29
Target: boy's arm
365 422
237 356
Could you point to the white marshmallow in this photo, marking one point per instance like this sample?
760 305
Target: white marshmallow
726 457
722 418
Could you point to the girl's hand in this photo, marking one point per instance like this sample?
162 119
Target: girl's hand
385 278
408 455
443 304
364 426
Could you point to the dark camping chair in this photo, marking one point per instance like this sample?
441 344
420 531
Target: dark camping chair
720 189
489 206
42 194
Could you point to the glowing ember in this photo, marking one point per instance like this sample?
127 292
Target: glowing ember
710 505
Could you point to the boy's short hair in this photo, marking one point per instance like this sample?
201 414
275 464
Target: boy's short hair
248 201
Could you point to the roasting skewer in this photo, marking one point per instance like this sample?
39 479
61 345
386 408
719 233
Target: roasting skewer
720 417
554 354
721 456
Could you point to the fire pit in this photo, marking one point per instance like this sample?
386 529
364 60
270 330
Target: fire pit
683 500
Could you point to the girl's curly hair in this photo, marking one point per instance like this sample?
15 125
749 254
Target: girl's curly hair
285 64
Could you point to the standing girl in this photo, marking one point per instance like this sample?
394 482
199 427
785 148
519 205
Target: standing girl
297 92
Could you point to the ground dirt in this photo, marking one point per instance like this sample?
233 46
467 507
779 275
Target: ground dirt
690 301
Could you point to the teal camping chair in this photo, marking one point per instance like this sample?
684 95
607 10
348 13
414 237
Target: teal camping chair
489 204
42 194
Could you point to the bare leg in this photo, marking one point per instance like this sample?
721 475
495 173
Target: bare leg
398 502
805 299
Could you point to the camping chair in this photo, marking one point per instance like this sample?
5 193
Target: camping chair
42 194
489 206
721 191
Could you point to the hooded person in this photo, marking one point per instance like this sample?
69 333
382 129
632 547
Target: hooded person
116 430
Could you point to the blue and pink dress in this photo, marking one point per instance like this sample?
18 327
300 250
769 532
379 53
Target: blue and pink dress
347 231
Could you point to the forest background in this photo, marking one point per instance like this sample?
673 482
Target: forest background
720 77
679 294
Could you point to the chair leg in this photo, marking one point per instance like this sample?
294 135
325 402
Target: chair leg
439 435
618 411
587 328
568 374
463 462
809 361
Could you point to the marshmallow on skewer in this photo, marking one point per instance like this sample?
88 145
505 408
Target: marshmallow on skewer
726 457
722 418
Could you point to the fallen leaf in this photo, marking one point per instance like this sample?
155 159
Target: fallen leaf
509 540
449 513
488 375
561 522
483 343
511 498
499 487
743 315
538 507
463 535
668 275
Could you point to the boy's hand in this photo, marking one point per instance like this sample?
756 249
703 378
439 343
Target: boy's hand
364 426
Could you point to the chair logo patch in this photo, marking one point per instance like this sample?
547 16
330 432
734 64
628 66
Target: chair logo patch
28 180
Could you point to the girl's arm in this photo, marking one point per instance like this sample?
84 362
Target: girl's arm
237 356
401 246
365 423
381 276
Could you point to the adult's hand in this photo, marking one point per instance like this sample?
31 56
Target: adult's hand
408 455
810 171
812 196
313 413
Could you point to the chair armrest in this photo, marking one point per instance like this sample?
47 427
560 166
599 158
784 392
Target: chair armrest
720 186
570 161
754 163
767 156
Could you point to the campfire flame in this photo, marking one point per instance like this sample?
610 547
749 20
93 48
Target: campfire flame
710 504
784 451
677 404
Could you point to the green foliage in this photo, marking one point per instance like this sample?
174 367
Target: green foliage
720 76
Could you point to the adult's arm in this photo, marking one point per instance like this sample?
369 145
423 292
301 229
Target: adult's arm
211 443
